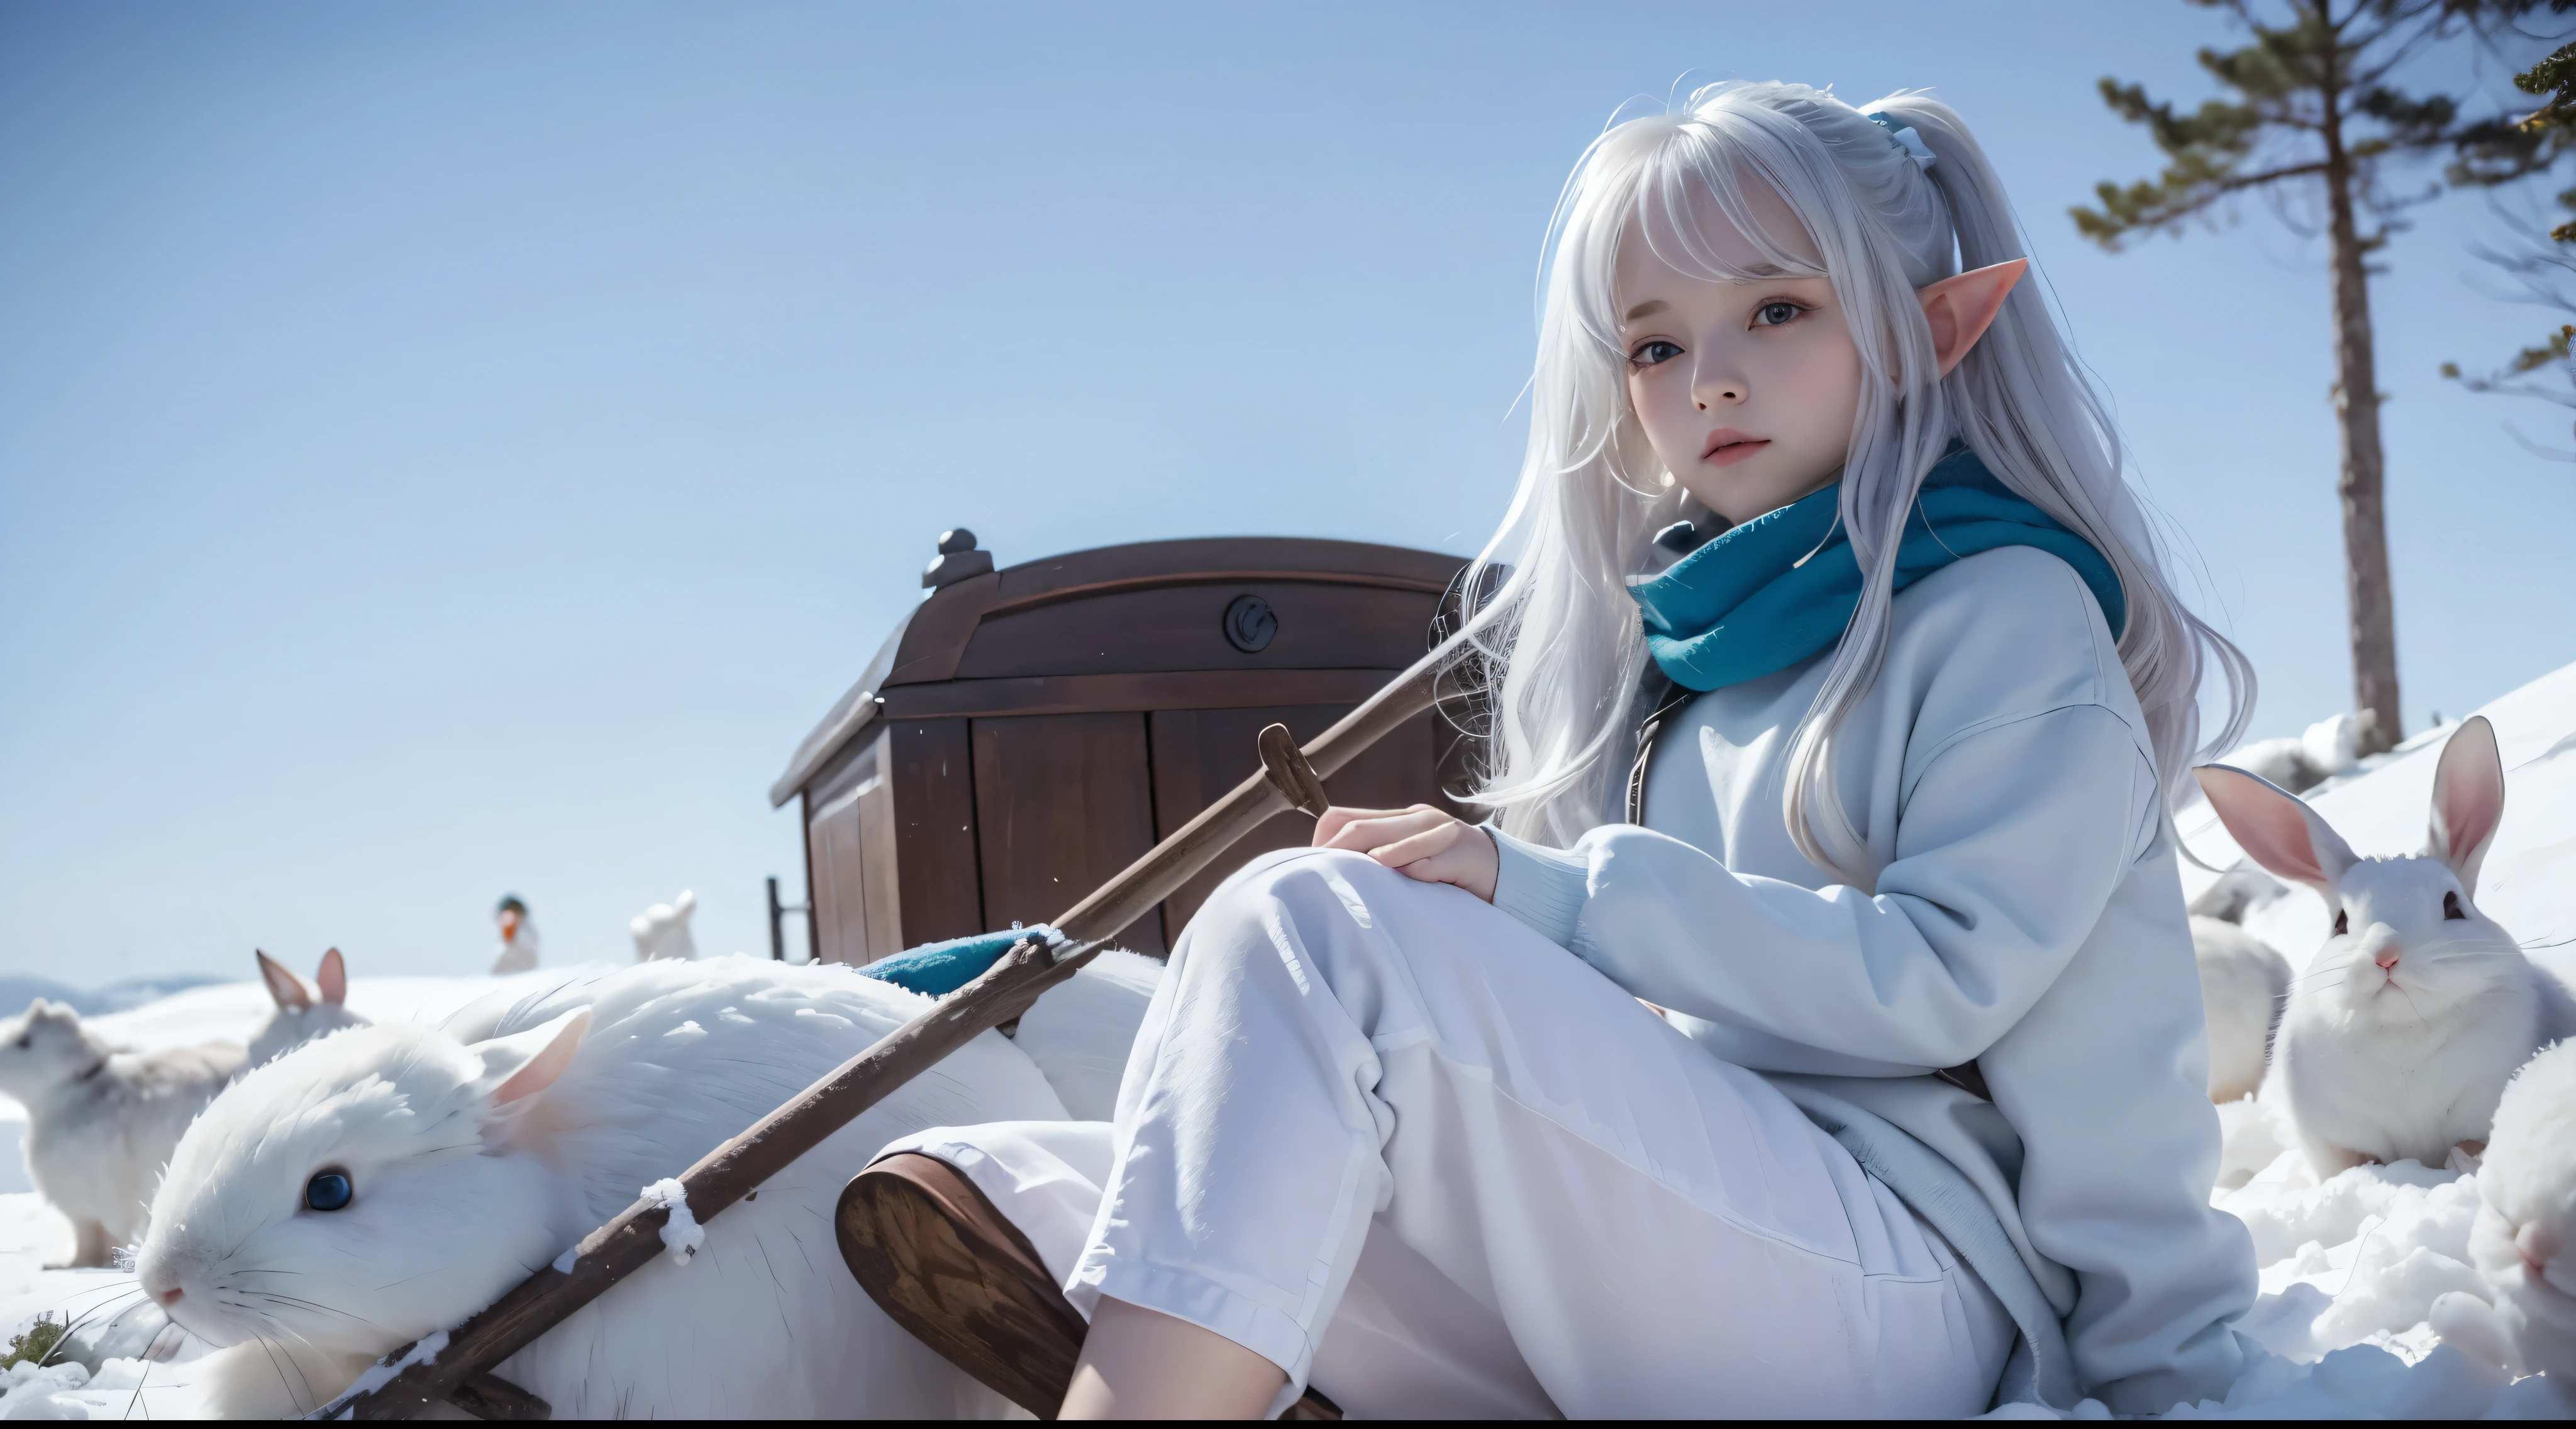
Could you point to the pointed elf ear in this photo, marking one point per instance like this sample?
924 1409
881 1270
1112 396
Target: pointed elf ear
1960 309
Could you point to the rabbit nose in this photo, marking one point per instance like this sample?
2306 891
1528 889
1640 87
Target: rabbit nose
169 1296
2536 1246
2386 957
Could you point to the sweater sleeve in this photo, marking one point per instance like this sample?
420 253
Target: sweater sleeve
2008 848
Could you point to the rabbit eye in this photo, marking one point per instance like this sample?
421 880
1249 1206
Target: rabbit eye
2343 923
2451 906
328 1191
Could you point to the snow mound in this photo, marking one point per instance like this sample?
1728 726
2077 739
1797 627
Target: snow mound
2351 1268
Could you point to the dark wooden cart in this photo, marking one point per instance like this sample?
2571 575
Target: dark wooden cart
1024 734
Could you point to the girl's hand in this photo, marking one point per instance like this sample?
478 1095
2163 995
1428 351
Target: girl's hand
1420 842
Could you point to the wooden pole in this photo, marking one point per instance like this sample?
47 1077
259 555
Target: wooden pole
416 1377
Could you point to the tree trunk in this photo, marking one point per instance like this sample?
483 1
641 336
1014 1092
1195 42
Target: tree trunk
2365 526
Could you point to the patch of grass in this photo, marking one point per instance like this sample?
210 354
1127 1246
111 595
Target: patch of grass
33 1346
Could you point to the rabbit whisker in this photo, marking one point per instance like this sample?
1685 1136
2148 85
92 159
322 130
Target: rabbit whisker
2323 970
83 1320
145 1374
301 1398
310 1305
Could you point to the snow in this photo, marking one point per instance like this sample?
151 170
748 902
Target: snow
425 1350
681 1233
2351 1266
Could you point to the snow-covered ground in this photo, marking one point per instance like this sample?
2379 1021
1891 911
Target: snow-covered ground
2350 1267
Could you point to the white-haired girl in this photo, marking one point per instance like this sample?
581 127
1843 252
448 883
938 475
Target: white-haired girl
1838 691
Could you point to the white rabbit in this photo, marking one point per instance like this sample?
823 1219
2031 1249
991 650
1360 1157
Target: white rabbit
386 1182
2307 759
2400 1033
101 1122
2239 892
2524 1239
303 1013
662 931
2242 983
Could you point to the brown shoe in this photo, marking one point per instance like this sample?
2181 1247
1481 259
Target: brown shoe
943 1263
937 1257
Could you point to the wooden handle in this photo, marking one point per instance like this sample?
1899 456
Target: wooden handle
1290 773
1005 990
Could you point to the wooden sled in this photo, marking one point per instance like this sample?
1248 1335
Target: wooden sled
854 921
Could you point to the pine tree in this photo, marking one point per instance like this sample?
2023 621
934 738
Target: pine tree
2500 152
2316 108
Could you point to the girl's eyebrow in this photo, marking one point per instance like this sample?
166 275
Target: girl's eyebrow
1649 306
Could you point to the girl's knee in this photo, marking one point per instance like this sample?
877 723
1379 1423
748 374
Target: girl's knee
1306 891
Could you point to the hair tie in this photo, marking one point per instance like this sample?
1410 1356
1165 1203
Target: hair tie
1905 137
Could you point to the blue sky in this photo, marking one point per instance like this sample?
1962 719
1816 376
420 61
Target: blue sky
462 448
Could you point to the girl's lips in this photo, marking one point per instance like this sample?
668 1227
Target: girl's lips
1726 449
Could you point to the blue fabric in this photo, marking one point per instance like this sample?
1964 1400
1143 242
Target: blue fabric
938 969
1782 587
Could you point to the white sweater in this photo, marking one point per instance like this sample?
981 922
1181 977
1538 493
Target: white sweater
2026 914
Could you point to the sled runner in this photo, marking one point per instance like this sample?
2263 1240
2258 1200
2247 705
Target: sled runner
920 720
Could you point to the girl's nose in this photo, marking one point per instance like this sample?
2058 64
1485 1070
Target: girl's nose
1717 388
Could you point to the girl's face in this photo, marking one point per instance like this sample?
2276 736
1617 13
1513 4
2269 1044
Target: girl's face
1747 390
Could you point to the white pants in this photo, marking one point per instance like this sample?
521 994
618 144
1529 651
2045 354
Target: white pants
1405 1148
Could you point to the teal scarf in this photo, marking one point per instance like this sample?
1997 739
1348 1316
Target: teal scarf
1780 588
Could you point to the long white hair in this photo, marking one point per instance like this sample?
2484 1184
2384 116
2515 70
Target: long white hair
1560 650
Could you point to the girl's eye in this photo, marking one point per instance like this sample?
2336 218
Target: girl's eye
2343 923
329 1191
2451 906
1776 314
1655 353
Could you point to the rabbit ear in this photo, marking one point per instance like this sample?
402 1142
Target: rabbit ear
686 903
334 978
284 986
524 1064
2468 800
2275 827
